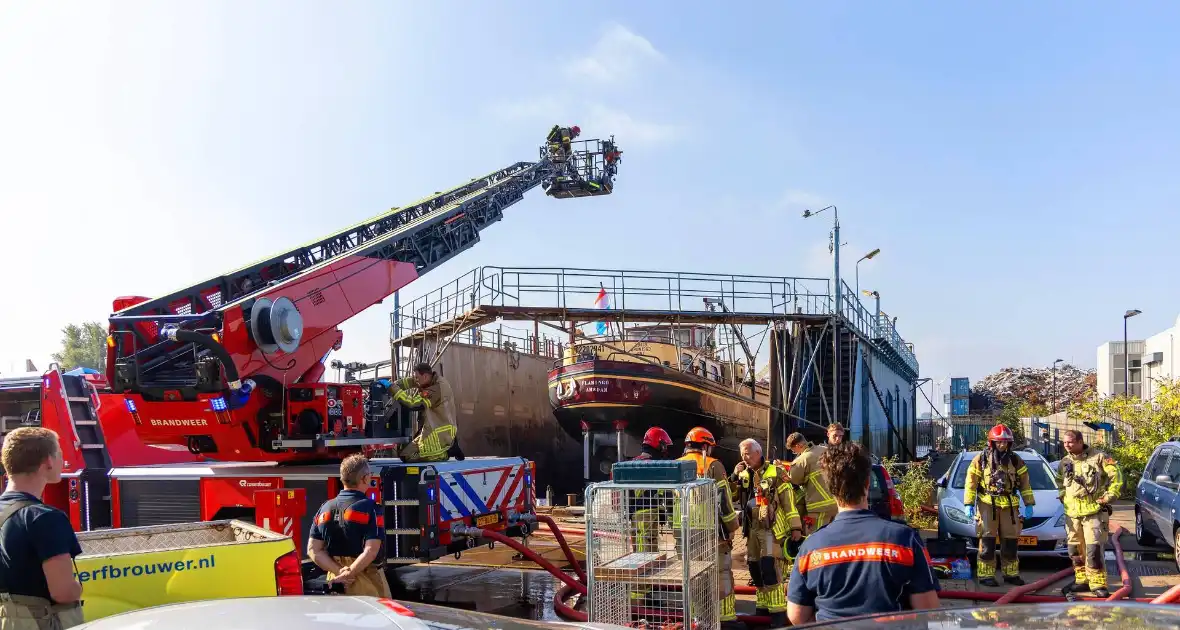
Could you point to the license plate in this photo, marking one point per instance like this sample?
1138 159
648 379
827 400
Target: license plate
492 519
1028 541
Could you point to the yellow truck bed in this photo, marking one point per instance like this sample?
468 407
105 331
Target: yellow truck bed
136 567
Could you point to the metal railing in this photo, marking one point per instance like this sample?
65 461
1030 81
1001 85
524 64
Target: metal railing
639 291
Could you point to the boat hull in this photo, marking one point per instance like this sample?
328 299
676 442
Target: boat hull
603 396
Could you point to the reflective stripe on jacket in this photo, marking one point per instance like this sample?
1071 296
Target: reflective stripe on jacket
979 476
707 467
438 411
1095 476
805 472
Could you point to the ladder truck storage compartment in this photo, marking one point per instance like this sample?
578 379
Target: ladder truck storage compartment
231 367
421 502
132 568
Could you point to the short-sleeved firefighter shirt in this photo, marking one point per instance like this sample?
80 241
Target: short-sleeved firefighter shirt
346 523
860 564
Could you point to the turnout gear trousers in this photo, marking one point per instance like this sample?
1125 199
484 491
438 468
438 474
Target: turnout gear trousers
996 483
369 583
439 430
1083 479
766 498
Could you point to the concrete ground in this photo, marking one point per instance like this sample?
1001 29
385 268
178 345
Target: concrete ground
1151 574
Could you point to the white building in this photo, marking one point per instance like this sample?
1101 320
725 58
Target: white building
1159 359
1111 368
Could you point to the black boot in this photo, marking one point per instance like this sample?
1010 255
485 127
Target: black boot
1015 580
762 612
989 581
778 620
1101 592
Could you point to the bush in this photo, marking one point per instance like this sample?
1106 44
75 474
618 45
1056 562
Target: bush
1139 427
915 488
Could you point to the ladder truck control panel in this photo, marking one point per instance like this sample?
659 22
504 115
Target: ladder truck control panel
231 368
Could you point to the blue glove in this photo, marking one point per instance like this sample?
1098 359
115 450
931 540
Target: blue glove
1027 512
971 512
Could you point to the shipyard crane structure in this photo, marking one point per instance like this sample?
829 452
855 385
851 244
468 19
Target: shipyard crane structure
231 368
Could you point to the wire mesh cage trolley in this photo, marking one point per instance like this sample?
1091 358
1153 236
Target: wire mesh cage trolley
652 553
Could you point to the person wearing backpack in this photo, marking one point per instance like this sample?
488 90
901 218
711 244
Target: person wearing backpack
997 480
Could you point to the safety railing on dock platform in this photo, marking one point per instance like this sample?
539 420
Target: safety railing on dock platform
646 292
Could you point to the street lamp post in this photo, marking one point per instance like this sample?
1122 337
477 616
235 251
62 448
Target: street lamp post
868 256
837 307
1055 383
1127 353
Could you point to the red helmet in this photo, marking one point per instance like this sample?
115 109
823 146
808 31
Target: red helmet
999 433
657 438
575 130
700 435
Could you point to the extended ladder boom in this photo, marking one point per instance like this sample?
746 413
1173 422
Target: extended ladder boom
275 322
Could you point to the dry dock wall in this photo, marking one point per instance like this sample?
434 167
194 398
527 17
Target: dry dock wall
502 401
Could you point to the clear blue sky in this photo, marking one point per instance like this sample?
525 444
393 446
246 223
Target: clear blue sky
1015 164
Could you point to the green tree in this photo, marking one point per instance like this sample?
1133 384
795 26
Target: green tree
1139 427
83 346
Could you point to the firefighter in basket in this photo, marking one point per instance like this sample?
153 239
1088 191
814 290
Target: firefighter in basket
767 505
1088 480
698 443
805 473
998 478
559 141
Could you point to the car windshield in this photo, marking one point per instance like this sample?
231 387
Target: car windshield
1039 475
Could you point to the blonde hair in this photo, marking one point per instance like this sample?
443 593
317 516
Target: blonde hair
26 448
353 469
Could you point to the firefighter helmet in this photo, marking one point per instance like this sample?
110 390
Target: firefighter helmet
699 435
999 433
657 438
575 131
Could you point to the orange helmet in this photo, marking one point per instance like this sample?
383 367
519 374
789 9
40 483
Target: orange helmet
999 433
657 438
700 435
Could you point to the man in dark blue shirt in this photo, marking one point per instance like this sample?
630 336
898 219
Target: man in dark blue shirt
859 563
37 541
345 539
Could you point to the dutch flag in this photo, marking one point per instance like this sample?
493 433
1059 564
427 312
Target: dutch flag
602 302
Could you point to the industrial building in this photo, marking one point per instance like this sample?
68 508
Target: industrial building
1112 369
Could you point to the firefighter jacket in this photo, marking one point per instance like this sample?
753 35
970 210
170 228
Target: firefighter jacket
708 467
1084 478
805 472
767 501
438 429
998 481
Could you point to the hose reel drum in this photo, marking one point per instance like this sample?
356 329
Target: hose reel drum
276 325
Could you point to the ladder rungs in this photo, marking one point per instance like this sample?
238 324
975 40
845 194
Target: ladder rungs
402 502
402 532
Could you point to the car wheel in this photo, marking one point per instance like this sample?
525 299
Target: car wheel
1176 546
1142 536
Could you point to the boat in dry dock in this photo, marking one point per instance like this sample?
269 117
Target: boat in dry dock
615 387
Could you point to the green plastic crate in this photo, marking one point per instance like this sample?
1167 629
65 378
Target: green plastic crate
654 471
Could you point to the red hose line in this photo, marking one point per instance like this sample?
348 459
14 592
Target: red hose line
1124 590
1169 597
565 548
560 607
535 557
1035 586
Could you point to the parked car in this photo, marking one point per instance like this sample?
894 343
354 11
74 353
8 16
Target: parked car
316 612
1043 535
1157 498
883 497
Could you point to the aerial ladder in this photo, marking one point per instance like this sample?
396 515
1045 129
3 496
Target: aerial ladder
231 368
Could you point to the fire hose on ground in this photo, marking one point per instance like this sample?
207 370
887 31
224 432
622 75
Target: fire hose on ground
571 585
1017 595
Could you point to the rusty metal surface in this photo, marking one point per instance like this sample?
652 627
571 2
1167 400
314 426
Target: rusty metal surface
502 403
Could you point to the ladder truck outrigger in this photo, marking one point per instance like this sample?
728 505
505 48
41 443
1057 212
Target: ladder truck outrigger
231 370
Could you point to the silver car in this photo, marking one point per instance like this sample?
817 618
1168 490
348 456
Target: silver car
1043 535
316 612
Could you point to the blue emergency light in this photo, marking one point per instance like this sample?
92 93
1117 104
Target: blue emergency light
130 404
218 404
